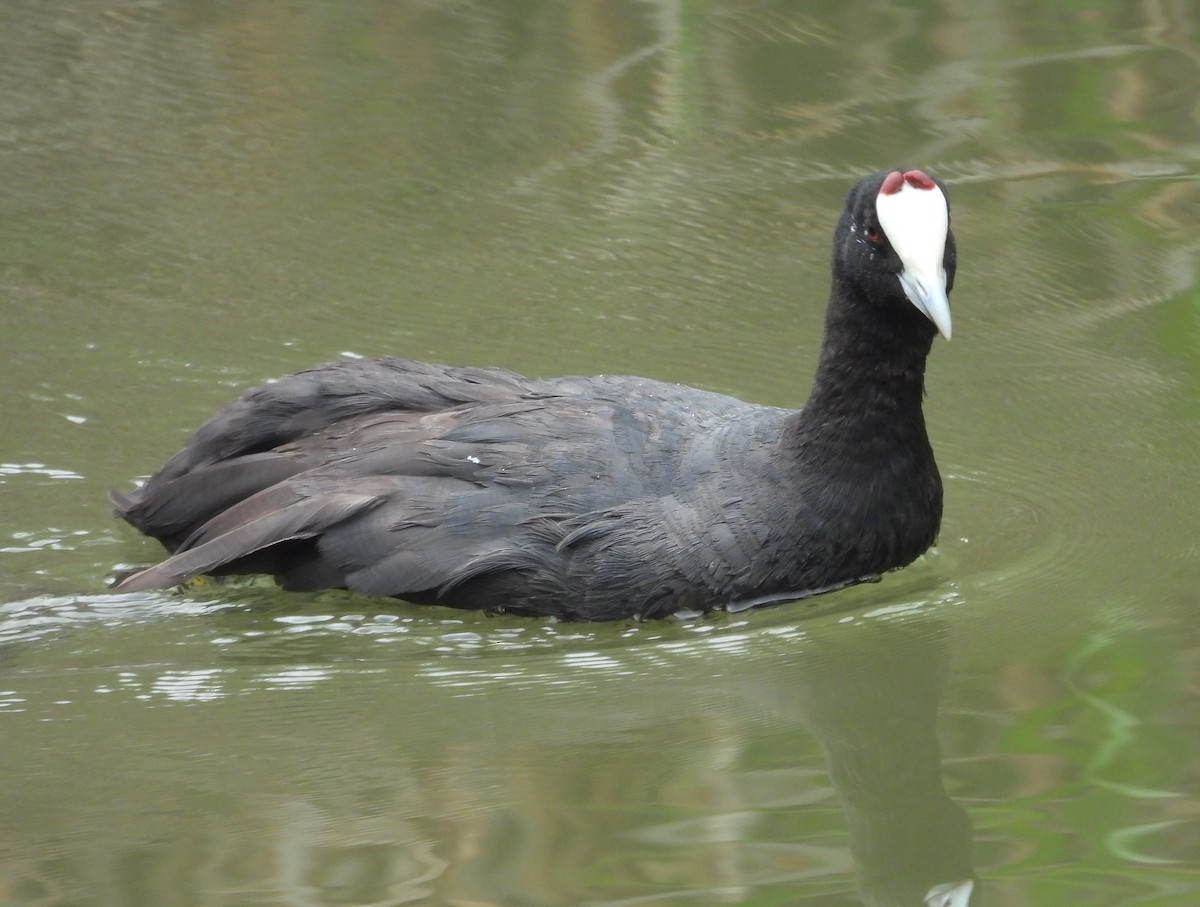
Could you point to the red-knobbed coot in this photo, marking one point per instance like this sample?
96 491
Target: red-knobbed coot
587 498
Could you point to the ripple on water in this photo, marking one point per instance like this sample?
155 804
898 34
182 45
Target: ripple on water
35 469
1002 529
46 618
178 646
1026 537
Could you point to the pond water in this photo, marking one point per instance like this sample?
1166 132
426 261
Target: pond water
198 196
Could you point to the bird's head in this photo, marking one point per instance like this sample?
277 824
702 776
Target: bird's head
894 241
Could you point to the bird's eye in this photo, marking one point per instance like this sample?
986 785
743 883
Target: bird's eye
872 234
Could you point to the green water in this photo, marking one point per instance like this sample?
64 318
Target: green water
198 196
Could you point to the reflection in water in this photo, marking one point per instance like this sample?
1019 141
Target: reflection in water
593 771
871 699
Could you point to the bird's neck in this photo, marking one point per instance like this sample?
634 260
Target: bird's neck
870 378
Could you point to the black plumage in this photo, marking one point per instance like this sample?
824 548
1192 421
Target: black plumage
588 498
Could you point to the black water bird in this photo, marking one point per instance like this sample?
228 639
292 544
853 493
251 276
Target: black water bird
587 498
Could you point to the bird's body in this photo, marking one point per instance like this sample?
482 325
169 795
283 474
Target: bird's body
585 497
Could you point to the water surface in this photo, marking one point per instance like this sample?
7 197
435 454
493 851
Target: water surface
200 196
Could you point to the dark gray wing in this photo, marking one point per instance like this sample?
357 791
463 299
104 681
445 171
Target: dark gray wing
380 477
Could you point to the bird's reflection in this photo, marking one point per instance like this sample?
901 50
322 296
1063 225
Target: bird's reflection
871 698
867 692
683 770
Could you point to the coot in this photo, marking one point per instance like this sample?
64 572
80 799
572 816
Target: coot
587 498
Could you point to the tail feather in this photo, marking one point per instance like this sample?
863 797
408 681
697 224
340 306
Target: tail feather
175 508
304 519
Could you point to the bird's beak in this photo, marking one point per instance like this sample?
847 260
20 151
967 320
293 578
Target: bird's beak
951 894
914 214
927 291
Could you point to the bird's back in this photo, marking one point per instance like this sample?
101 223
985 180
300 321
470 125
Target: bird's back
472 487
